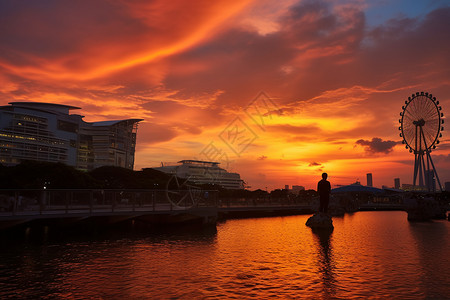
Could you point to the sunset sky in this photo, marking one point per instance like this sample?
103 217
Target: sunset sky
278 91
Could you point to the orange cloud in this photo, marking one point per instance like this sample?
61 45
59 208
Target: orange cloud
167 29
190 68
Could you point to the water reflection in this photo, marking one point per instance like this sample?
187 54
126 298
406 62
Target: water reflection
326 265
127 264
369 255
432 243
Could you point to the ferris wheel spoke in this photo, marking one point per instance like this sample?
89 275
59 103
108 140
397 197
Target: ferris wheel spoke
433 120
412 112
417 105
431 136
418 102
420 123
427 115
425 105
409 119
409 131
430 113
427 140
432 130
432 124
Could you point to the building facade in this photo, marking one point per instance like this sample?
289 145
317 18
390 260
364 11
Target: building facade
296 189
204 172
412 188
430 180
48 132
447 186
369 179
397 183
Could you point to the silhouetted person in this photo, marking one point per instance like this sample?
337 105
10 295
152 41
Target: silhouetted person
324 189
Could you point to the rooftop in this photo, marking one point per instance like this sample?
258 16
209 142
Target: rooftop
356 188
199 162
114 122
60 108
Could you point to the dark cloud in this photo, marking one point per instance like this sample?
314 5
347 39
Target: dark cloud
314 164
377 145
323 49
243 63
262 157
52 28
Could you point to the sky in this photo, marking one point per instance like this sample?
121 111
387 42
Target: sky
278 91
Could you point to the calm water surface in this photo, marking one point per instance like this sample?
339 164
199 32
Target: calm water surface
368 255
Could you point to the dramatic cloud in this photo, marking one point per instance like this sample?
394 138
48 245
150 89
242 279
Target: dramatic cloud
376 145
335 73
86 40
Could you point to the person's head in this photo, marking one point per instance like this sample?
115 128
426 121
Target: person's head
324 175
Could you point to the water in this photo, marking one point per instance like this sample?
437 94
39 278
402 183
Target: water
368 255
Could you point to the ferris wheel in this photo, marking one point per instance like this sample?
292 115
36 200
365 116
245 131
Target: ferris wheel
421 127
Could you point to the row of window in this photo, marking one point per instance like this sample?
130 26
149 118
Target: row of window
30 147
24 125
30 118
29 137
32 155
8 134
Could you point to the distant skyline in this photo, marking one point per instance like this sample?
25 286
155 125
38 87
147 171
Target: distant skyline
278 91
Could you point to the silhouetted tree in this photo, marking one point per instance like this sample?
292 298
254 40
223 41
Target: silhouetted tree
115 177
278 193
34 175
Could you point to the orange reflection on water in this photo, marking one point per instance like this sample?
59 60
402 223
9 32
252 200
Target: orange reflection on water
368 255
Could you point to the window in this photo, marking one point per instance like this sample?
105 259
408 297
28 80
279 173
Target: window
67 126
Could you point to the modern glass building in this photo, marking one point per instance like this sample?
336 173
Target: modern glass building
48 132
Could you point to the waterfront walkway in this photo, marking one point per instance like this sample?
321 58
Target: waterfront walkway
104 207
113 206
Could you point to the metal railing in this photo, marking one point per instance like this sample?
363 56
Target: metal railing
263 202
52 201
28 202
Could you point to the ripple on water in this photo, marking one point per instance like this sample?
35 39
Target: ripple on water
368 255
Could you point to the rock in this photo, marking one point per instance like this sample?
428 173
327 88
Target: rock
320 220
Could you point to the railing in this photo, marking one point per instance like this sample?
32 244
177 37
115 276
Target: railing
54 201
263 202
28 202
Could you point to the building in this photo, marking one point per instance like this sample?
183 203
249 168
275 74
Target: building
430 180
369 179
411 188
204 172
397 183
48 132
297 188
447 186
286 187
